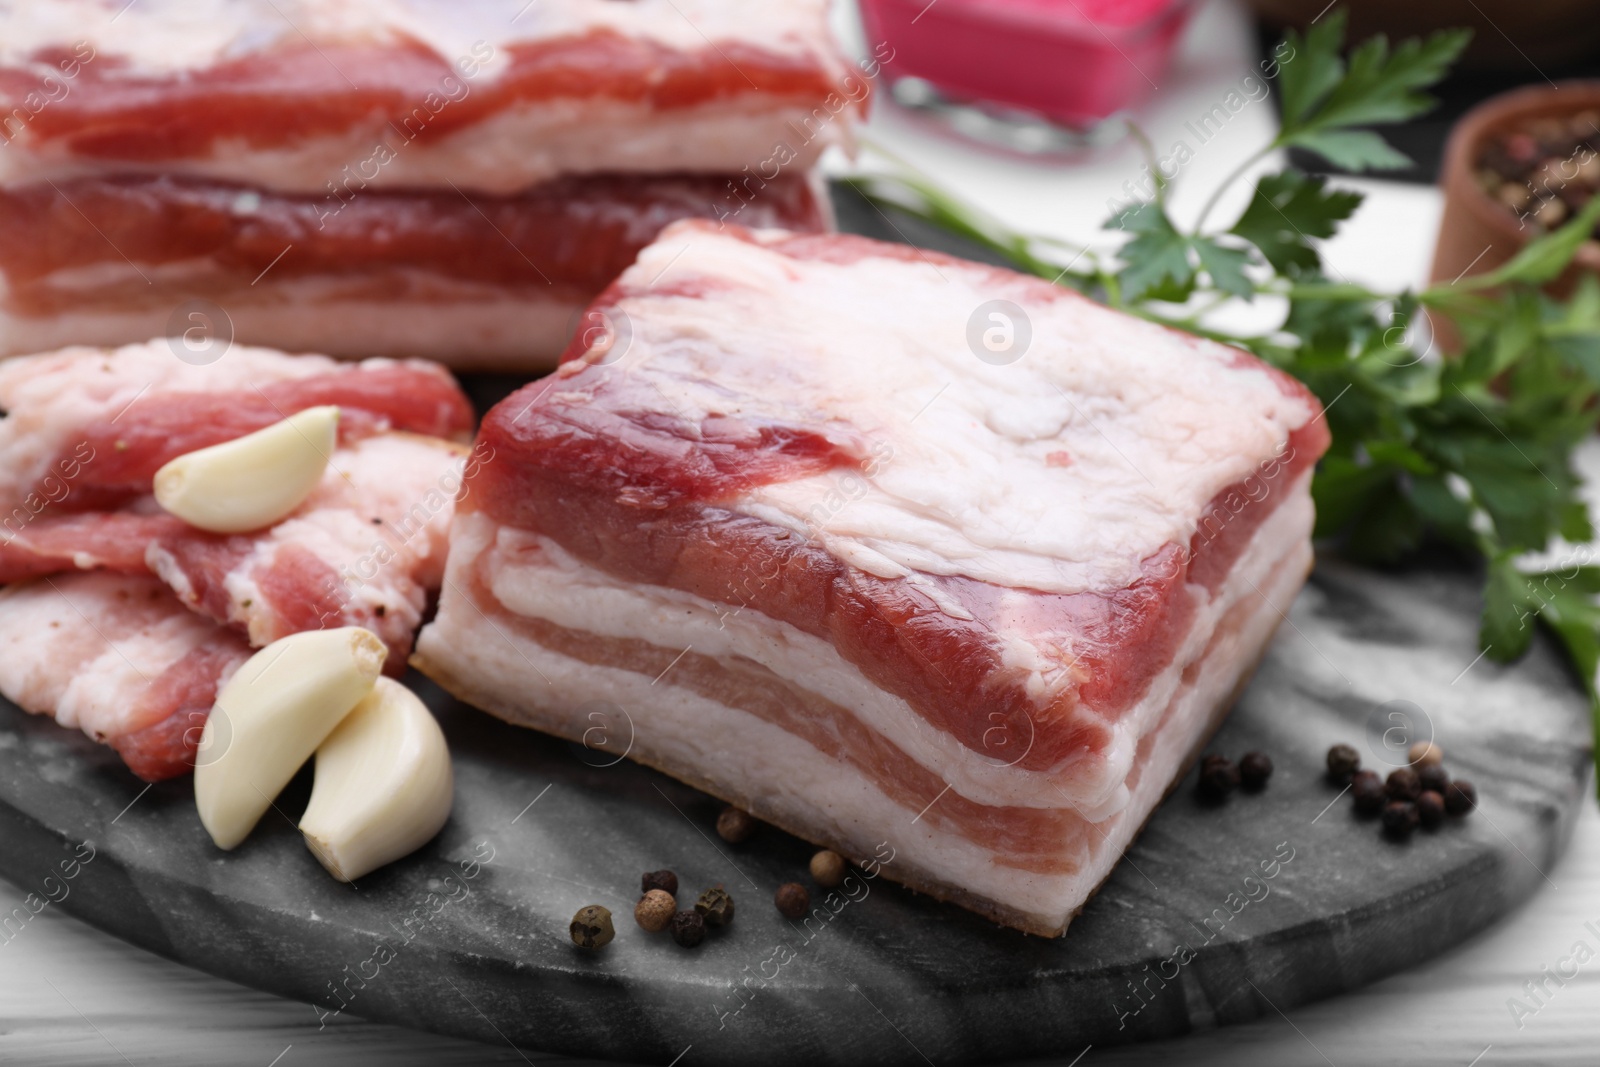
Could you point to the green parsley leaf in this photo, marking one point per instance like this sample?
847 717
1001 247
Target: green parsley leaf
1352 149
1289 210
1157 258
1508 609
1225 266
1312 69
1323 99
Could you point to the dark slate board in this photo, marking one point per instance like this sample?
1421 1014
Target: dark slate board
892 976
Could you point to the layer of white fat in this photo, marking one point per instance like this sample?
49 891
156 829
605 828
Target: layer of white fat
469 327
49 397
502 154
532 576
405 481
159 37
748 760
966 458
82 647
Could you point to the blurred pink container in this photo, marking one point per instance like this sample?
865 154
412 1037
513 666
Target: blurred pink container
1073 61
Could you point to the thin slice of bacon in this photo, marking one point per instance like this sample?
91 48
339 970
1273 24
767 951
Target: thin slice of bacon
365 549
118 657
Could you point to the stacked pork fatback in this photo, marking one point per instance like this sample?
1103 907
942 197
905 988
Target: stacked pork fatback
453 179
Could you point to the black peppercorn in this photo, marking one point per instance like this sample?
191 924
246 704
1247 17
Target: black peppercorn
735 825
591 927
1460 798
1403 784
1399 818
1367 790
1254 770
688 928
792 900
1343 763
665 881
1218 777
1430 808
715 907
1433 776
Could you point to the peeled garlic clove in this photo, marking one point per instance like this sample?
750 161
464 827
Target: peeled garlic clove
384 784
252 481
271 716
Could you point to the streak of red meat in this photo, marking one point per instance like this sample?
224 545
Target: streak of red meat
297 90
174 709
53 543
131 445
302 589
617 445
205 561
574 234
299 590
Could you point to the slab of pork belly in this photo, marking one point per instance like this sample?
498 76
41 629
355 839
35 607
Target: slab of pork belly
1020 539
118 657
336 96
1027 589
478 281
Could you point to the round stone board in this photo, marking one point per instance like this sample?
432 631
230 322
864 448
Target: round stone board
1216 915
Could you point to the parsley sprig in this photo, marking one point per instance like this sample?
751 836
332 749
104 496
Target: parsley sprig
1474 450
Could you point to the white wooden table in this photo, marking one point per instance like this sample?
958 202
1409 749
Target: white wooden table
70 994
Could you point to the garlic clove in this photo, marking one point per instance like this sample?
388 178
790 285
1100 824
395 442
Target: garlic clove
271 716
384 784
252 481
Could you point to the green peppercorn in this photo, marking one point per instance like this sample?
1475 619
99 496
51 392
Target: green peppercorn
688 928
1366 789
1254 770
1343 763
715 907
591 927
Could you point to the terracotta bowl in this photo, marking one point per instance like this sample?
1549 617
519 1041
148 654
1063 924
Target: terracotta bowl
1477 233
